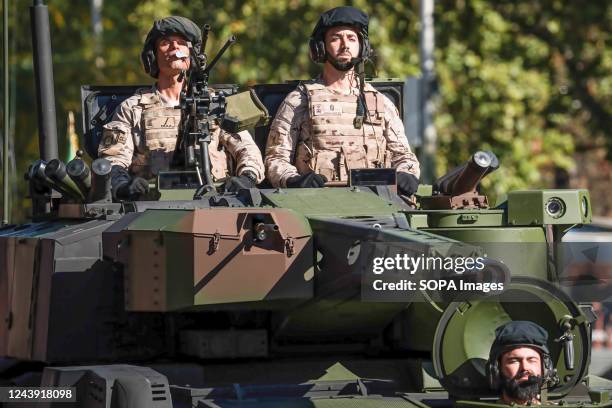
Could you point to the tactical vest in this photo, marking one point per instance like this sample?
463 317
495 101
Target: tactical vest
156 147
334 145
159 126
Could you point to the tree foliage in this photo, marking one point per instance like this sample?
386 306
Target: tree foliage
528 80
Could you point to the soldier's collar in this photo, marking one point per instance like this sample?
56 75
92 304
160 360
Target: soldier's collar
165 101
318 83
149 96
153 96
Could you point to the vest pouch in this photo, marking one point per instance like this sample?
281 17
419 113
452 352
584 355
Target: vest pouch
160 128
376 148
375 109
327 163
303 159
354 158
161 121
372 119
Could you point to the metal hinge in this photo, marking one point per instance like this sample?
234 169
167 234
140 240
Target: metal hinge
214 241
289 246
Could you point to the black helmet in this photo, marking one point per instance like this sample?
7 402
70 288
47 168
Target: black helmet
346 15
518 333
173 25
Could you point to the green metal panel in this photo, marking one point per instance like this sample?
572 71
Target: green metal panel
417 221
333 202
492 235
170 195
155 220
463 218
522 249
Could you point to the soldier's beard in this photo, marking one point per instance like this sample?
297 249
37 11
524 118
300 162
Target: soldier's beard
342 66
522 391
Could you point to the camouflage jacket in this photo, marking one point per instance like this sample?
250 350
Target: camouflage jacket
313 131
141 137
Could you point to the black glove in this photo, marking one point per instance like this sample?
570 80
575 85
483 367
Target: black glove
407 183
308 180
132 190
245 180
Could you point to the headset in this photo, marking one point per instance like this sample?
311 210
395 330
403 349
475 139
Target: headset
318 54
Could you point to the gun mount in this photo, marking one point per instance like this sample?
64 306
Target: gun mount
202 108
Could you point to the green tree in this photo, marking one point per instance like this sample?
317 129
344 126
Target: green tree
527 79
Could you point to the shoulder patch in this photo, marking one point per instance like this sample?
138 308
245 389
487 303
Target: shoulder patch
295 98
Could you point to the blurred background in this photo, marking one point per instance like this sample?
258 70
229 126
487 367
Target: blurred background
528 79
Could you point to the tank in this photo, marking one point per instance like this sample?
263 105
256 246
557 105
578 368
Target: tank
270 297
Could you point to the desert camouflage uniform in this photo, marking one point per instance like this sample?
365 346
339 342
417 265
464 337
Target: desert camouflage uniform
142 137
313 131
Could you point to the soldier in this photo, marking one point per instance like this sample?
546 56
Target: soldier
519 363
335 123
140 139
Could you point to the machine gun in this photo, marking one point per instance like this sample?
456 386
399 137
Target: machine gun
201 107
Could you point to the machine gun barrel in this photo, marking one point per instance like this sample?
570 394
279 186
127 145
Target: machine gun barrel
205 31
230 41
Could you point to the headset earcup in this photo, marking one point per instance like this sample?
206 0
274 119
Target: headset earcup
144 61
492 372
317 50
366 49
153 68
312 48
321 51
147 57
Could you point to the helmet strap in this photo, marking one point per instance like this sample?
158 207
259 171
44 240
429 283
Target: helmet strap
361 103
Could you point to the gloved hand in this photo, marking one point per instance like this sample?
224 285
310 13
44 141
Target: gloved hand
132 190
245 180
308 180
407 183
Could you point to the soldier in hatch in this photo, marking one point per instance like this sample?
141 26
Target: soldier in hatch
333 124
140 139
519 363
